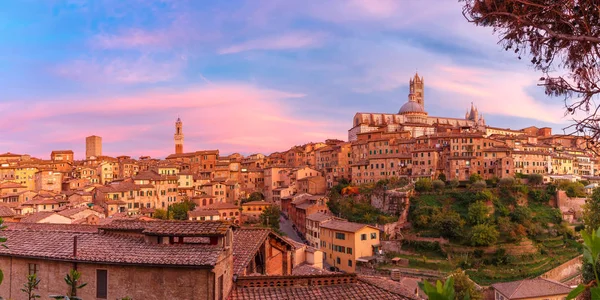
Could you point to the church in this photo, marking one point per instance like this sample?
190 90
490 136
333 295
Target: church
412 117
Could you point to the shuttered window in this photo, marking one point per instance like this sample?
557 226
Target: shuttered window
101 284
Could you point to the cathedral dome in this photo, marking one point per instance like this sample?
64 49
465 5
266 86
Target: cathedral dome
411 107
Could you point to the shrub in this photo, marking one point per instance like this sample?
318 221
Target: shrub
520 214
438 185
485 195
423 185
478 213
449 223
506 182
474 178
483 235
441 177
453 183
535 179
479 185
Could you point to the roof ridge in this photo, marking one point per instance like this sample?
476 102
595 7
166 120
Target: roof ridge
389 290
517 288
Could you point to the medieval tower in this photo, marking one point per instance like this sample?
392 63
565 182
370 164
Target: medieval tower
178 137
417 89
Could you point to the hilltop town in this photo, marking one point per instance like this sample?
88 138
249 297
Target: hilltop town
216 218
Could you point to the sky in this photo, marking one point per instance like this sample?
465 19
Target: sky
244 76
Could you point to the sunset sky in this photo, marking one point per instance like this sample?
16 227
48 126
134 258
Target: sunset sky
244 76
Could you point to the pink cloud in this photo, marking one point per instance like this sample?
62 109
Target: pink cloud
131 38
230 117
294 40
144 69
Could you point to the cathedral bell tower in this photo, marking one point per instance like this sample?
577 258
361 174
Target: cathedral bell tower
417 88
178 137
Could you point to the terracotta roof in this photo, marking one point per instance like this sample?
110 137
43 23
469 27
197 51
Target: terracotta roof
306 287
105 248
531 288
148 175
72 211
50 227
10 185
319 217
170 228
246 242
258 202
6 212
220 205
38 216
344 226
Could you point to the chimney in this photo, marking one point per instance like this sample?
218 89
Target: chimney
75 246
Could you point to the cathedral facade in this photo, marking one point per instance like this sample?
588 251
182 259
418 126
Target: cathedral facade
412 117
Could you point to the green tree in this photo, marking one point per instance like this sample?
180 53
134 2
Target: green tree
464 287
506 182
479 185
591 253
474 178
573 189
478 213
454 183
483 235
160 214
521 214
423 185
438 185
535 179
270 217
73 280
485 195
179 211
30 287
448 223
255 196
591 211
441 177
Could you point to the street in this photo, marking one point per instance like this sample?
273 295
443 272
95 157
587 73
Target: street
286 227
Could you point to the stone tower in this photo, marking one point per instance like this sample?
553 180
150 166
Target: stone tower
178 137
417 88
93 146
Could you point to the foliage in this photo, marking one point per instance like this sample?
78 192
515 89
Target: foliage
559 35
441 177
179 211
506 182
453 183
423 185
357 211
520 214
535 179
440 291
474 178
255 196
591 251
573 189
438 185
448 223
478 213
464 288
483 235
479 184
485 195
73 281
30 287
591 211
270 217
538 196
160 214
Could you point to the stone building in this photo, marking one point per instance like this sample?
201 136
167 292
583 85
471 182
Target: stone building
178 137
93 146
411 117
185 260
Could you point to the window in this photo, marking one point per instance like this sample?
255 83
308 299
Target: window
373 235
34 269
349 263
340 236
101 284
349 250
363 237
338 260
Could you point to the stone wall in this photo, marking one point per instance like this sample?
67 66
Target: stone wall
565 271
391 246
